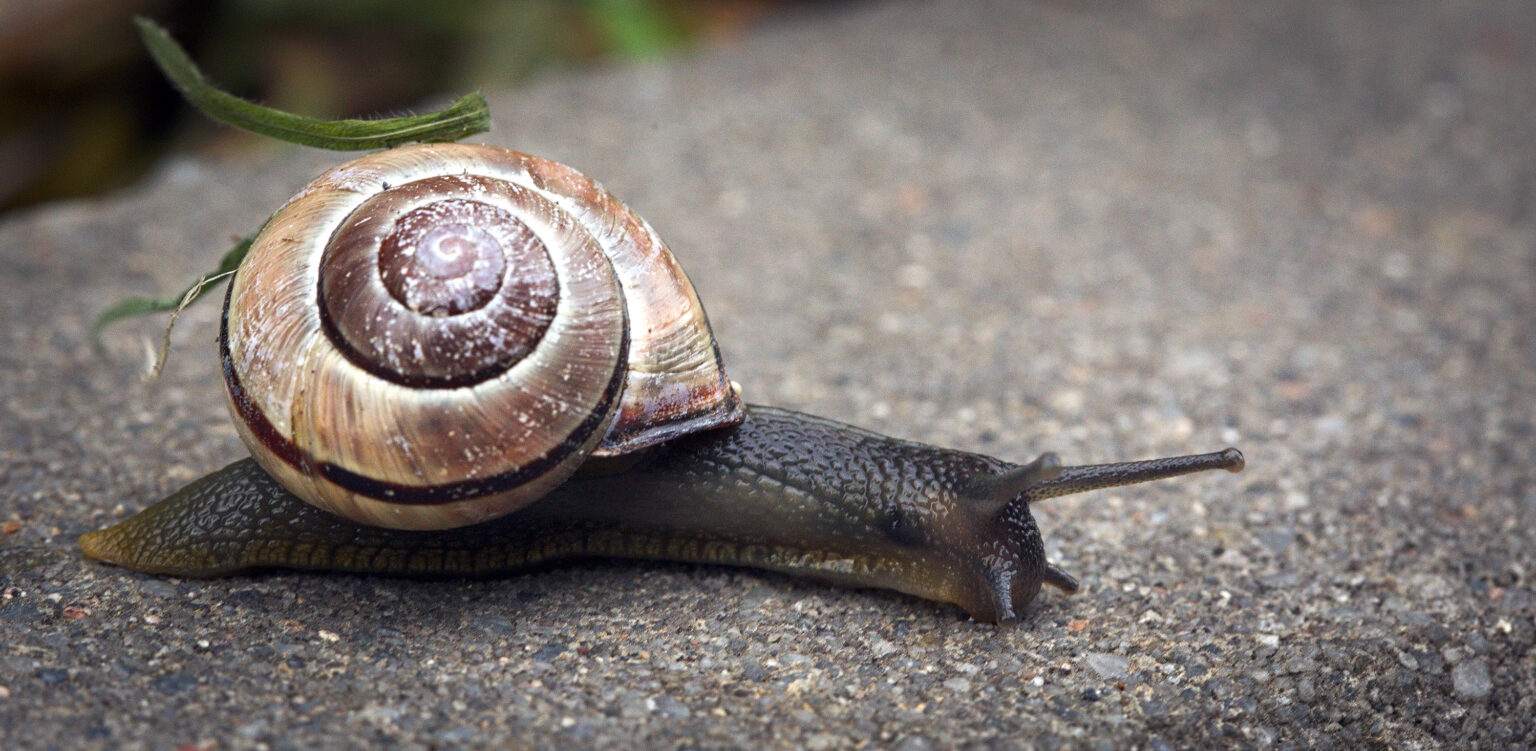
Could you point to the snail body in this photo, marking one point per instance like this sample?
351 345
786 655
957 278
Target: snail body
420 453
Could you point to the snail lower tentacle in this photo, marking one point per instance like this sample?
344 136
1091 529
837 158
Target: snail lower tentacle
782 491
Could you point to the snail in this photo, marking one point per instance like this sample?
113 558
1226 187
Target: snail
451 359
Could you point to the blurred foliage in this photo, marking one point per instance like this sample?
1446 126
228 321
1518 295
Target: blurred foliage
82 109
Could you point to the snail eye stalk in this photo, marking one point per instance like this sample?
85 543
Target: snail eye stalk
1095 476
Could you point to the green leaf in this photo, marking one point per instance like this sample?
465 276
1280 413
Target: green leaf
466 116
137 306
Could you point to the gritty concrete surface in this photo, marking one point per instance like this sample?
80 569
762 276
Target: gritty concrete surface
1305 229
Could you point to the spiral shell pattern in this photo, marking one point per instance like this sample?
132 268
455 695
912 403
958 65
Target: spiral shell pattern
436 335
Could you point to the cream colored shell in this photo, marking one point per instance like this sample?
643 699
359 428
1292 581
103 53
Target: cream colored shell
389 454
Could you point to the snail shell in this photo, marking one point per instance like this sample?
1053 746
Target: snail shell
436 335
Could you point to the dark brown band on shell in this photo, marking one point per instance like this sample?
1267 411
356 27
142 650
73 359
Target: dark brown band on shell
418 495
250 414
425 287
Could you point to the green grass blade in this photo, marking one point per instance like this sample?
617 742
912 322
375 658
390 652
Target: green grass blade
468 115
138 306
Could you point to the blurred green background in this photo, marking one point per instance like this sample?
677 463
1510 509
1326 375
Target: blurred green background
83 110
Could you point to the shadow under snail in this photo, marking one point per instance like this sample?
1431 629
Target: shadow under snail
467 360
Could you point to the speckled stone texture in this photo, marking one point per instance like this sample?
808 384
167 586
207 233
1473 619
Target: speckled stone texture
1307 229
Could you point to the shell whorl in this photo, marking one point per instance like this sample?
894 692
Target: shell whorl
435 335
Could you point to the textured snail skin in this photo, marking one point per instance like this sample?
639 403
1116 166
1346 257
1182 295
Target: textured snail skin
782 491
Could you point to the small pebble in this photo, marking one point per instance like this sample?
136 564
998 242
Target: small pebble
822 742
457 736
1471 680
251 730
1107 665
670 707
